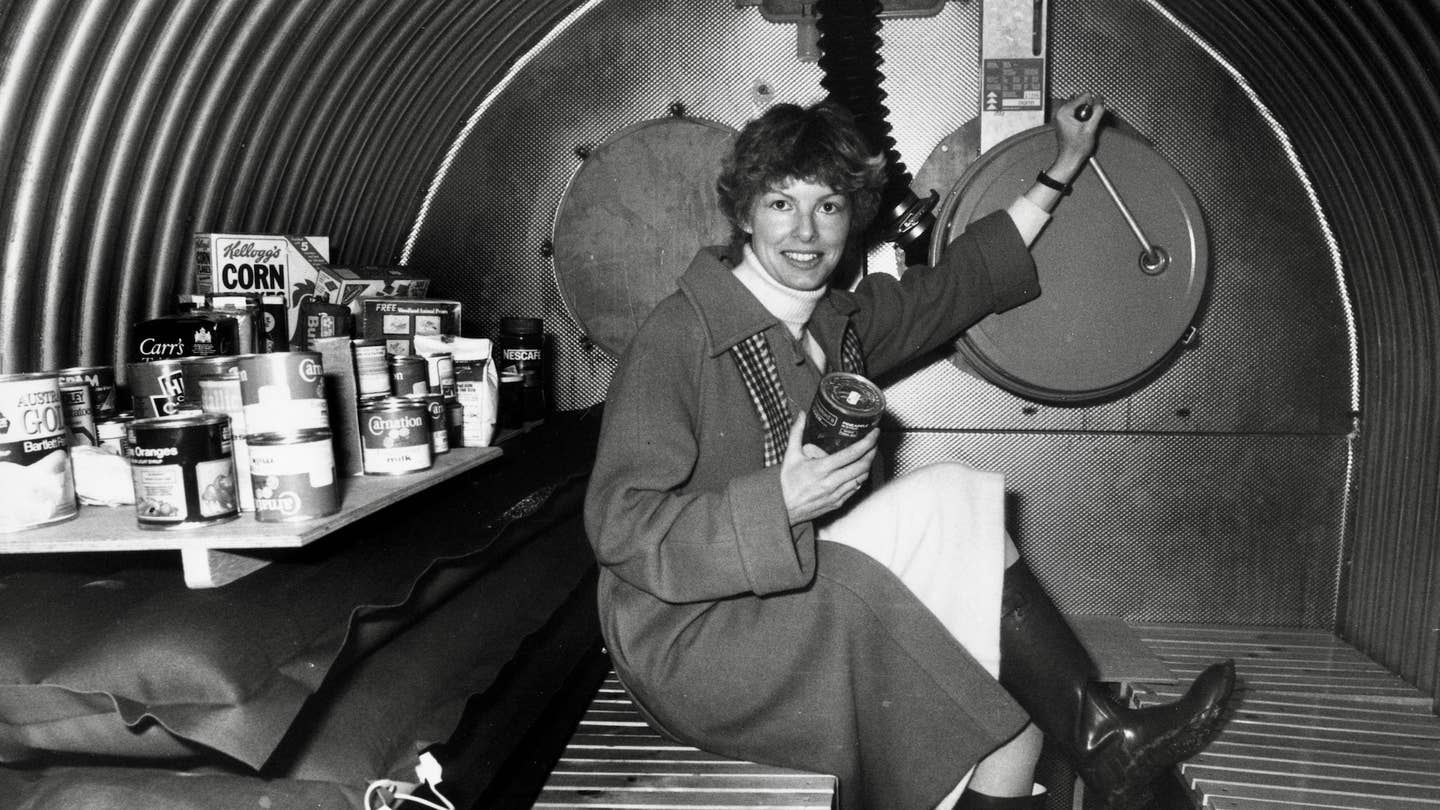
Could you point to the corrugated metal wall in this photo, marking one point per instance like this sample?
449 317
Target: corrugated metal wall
1355 84
126 125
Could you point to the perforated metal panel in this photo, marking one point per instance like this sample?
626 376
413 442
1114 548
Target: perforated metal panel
1266 390
486 231
1212 528
1273 347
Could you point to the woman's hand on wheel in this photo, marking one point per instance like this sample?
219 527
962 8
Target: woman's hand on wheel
1076 137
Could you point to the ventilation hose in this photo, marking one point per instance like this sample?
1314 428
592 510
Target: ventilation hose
849 45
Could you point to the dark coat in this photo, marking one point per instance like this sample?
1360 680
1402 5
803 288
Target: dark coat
739 634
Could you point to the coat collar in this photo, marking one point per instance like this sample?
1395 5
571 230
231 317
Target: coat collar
730 313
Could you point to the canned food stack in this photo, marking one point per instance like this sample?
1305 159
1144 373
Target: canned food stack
396 435
224 408
408 412
218 435
287 436
93 417
213 385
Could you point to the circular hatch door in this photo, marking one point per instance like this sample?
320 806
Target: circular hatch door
633 217
1106 321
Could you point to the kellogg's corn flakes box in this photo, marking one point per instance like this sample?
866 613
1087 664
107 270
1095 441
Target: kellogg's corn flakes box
269 264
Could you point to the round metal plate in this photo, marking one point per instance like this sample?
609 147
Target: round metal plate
1102 325
633 216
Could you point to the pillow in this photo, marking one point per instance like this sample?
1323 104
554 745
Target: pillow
72 788
111 656
374 720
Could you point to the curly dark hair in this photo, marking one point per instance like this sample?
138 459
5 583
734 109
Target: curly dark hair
819 143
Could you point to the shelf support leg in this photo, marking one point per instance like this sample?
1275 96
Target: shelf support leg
211 568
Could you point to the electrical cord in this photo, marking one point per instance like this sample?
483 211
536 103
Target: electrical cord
389 790
393 796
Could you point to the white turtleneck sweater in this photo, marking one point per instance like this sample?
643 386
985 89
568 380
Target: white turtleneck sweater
792 307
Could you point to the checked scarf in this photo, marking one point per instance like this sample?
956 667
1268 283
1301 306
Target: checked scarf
762 380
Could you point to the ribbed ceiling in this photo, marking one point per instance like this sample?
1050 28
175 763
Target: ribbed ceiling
128 125
1355 86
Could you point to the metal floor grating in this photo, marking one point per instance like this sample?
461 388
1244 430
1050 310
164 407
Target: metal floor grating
1315 724
615 760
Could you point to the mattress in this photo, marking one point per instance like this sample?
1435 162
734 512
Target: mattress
301 683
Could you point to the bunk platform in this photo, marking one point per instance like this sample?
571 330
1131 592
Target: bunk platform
1316 724
615 760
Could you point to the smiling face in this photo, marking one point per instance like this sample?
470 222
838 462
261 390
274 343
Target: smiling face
798 232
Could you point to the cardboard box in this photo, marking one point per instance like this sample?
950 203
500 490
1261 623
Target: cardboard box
342 399
262 263
398 320
347 285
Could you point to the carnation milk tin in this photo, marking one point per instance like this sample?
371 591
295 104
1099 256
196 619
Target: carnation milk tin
292 476
845 408
395 436
37 484
439 417
183 471
101 380
283 391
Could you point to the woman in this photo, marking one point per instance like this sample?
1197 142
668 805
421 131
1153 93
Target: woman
755 601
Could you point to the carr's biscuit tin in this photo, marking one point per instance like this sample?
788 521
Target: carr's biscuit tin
198 333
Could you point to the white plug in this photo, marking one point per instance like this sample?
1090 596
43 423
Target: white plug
429 769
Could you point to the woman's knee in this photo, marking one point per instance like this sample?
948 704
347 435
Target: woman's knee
953 494
953 476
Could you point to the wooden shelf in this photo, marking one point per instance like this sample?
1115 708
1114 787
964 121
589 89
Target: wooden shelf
220 553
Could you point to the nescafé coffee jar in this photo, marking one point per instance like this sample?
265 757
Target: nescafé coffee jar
522 371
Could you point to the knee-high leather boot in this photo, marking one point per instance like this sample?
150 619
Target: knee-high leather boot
1119 752
971 800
